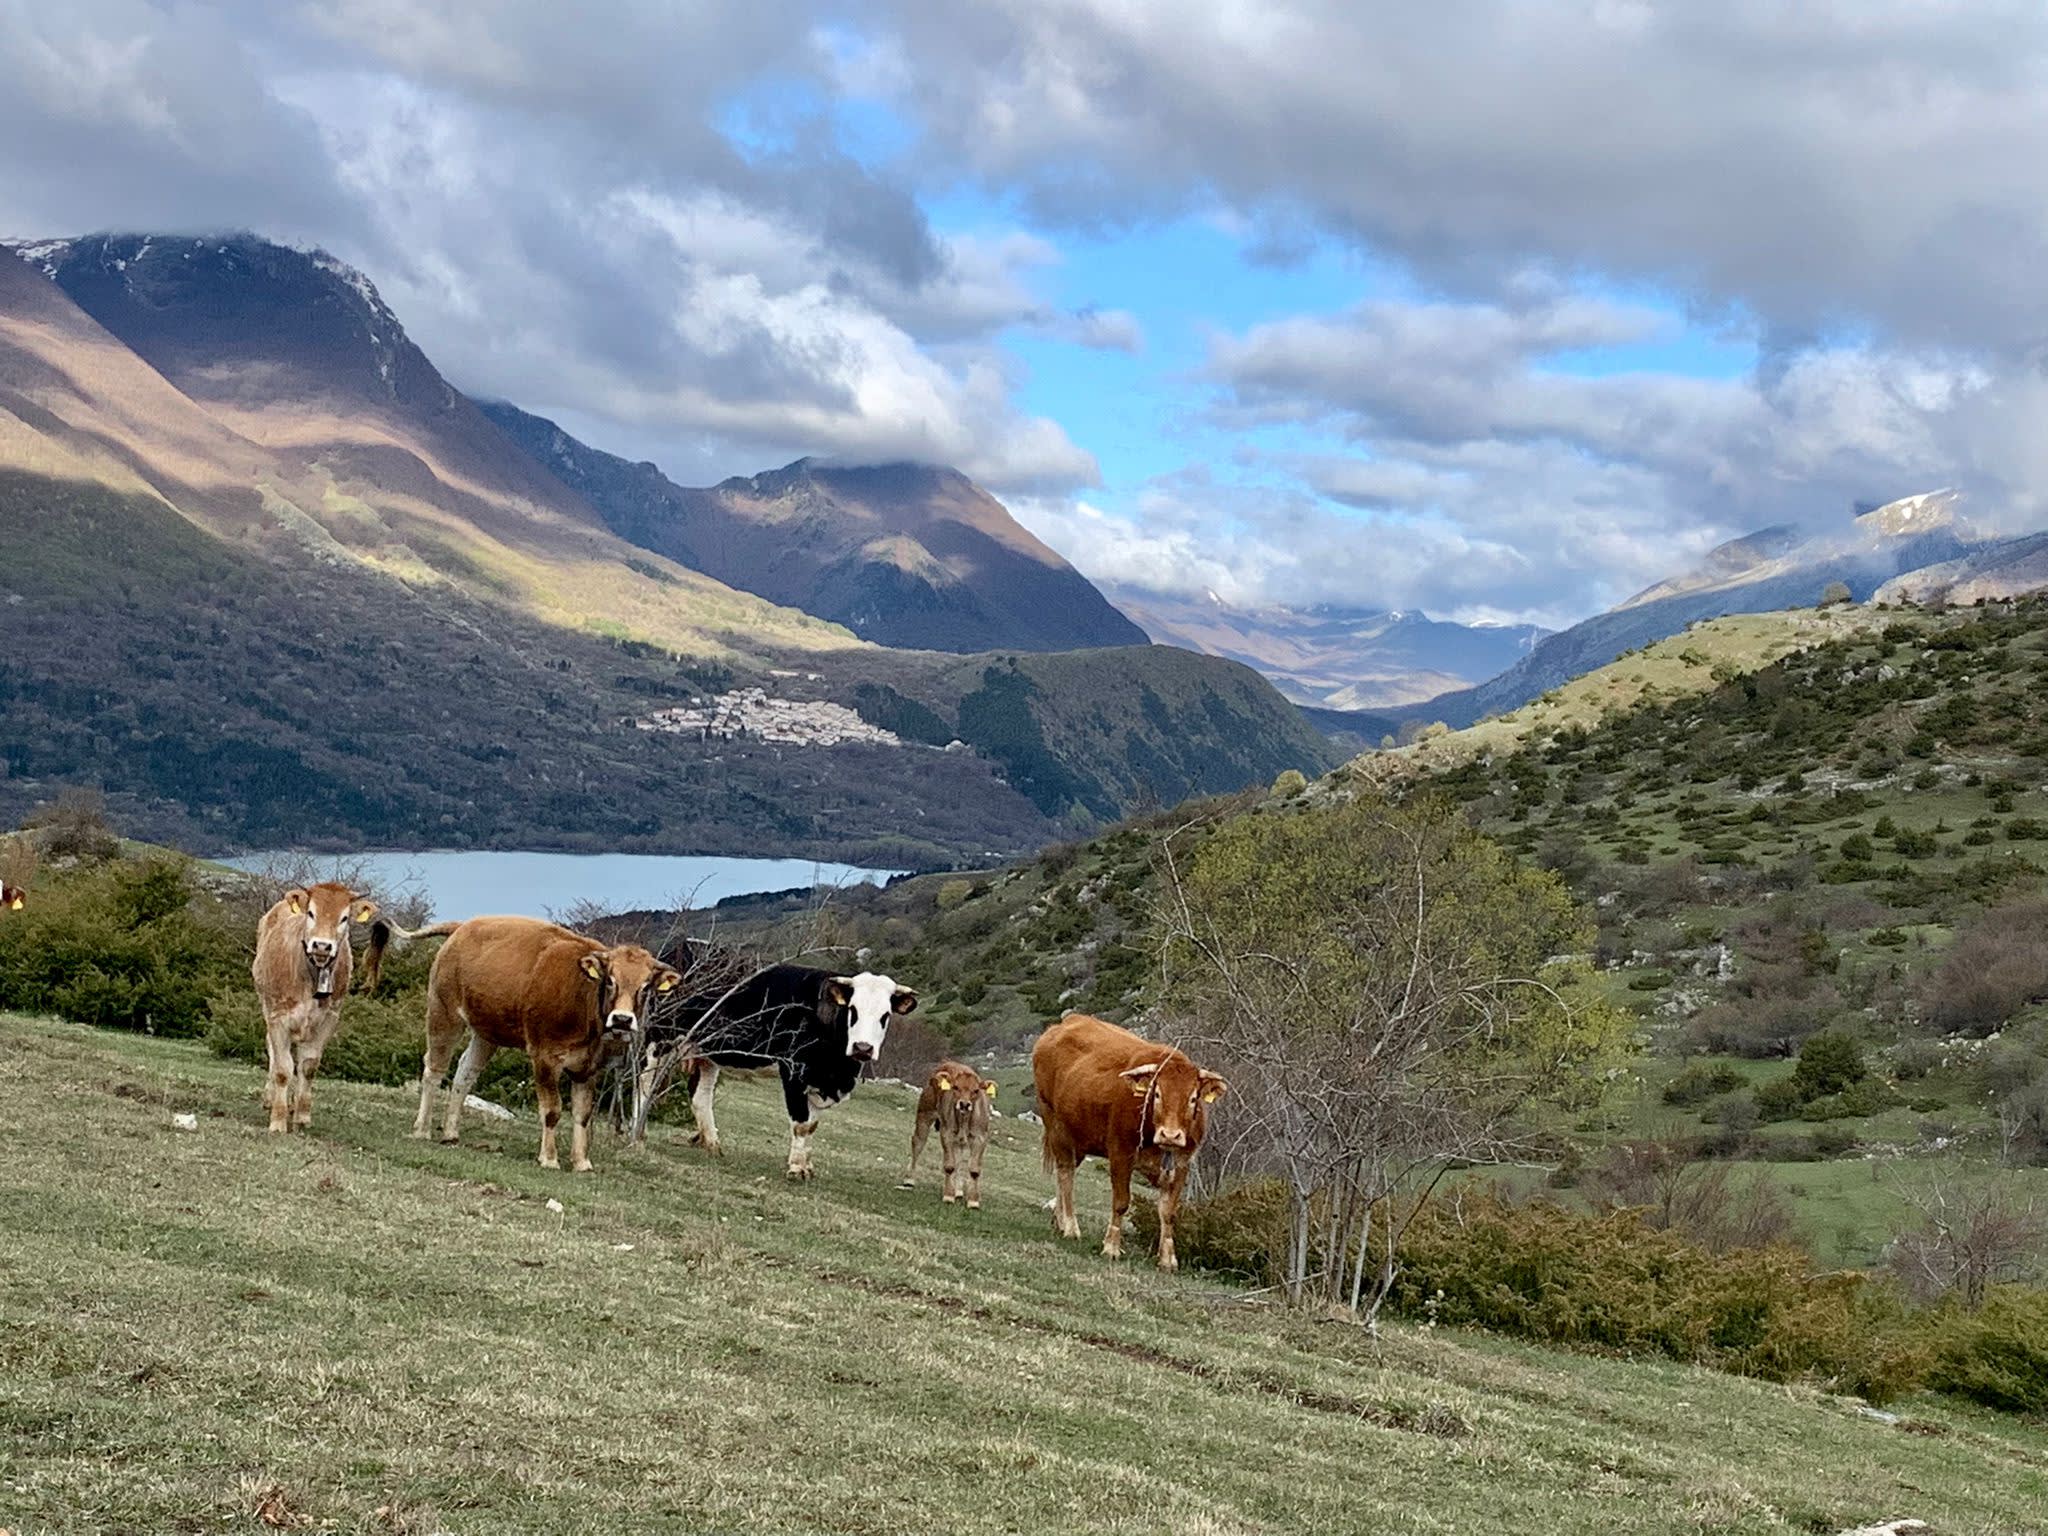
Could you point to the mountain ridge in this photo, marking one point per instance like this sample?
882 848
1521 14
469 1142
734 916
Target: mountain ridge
905 555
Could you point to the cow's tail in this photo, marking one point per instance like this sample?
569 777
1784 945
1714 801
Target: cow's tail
386 935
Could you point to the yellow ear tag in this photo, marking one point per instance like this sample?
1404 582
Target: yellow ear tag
945 1085
17 904
1209 1097
294 902
591 967
989 1089
365 912
667 983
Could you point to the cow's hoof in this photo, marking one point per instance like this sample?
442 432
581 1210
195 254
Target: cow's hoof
551 1162
799 1174
420 1133
582 1168
450 1141
974 1205
948 1198
276 1129
908 1184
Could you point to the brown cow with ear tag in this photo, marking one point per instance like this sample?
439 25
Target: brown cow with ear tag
955 1102
1105 1092
569 1001
301 970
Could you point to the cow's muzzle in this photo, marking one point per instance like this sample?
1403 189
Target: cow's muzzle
1169 1138
321 957
860 1050
621 1023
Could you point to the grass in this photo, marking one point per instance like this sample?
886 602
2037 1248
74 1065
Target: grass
352 1331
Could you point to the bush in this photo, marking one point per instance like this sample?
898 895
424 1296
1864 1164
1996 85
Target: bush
1997 965
1998 1355
1828 1062
1779 1099
1700 1082
119 945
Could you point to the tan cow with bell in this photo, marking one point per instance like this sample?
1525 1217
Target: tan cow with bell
955 1102
1105 1092
569 1001
301 970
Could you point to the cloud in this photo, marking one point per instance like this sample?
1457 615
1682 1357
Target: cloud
1870 160
595 221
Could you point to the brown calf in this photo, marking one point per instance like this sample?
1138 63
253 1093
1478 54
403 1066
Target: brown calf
956 1100
1105 1092
565 999
301 970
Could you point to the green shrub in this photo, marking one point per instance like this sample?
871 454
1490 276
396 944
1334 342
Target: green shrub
1700 1082
120 945
1998 1355
1778 1099
1828 1062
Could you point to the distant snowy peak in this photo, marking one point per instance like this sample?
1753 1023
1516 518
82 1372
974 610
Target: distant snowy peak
1913 515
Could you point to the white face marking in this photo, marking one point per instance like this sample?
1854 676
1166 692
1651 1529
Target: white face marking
874 998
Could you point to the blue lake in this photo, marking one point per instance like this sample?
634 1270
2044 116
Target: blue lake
459 883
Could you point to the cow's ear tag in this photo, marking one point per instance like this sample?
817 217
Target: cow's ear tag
17 904
989 1089
1211 1096
592 966
945 1084
668 982
366 911
297 901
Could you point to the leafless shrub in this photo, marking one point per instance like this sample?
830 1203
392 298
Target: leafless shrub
1761 1030
19 861
1712 1202
1997 965
74 826
1977 1228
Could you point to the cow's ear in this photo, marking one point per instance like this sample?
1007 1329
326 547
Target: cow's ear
592 966
1140 1078
989 1089
903 1001
668 981
296 899
838 990
945 1083
1213 1087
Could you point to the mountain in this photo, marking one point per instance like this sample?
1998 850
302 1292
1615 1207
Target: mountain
1772 569
269 580
1332 657
1999 568
905 555
270 395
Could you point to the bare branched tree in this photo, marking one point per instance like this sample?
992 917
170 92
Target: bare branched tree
1978 1226
1379 985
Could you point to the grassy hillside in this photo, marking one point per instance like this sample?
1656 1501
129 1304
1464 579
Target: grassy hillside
372 1334
1785 826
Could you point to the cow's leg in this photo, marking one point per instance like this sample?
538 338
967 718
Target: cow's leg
443 1030
277 1087
800 1133
1119 1203
582 1105
324 1022
949 1147
976 1145
1063 1219
701 1096
547 1091
1169 1207
475 1057
920 1132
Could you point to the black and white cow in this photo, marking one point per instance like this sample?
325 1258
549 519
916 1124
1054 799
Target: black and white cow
817 1029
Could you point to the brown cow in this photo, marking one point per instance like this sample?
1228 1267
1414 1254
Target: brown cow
1105 1092
565 999
956 1100
301 972
12 897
